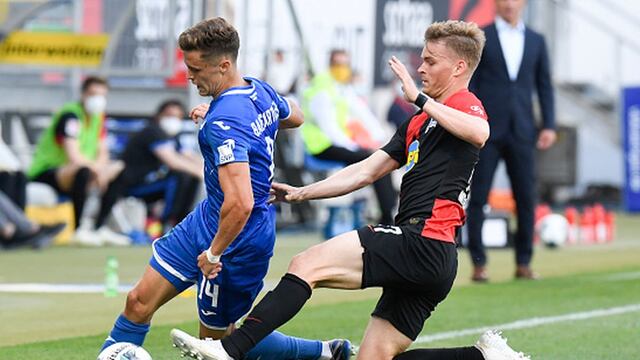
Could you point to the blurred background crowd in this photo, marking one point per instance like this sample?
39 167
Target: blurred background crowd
97 149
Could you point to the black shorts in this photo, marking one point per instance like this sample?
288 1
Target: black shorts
416 273
49 177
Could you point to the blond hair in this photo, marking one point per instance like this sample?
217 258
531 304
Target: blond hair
466 39
213 37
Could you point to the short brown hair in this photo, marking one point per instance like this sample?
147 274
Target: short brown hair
93 80
466 39
335 53
213 37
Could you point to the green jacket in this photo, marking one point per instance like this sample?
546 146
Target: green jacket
314 139
51 154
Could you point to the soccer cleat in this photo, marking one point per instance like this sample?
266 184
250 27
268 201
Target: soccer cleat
110 237
192 347
494 347
86 237
341 349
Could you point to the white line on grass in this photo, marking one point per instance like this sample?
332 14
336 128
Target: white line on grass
58 288
529 323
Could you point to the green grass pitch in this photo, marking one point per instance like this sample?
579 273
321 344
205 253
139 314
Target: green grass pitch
579 279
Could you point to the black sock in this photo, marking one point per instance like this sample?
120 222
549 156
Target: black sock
462 353
275 309
79 192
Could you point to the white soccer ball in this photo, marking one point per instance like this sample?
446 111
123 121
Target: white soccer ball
553 230
124 351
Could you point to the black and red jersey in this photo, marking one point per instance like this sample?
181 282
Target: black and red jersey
438 166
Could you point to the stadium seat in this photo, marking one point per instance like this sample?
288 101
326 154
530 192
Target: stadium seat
346 212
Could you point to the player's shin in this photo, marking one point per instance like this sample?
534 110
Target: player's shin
125 330
277 346
275 309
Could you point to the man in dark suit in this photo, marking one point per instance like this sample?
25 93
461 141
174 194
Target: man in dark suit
514 64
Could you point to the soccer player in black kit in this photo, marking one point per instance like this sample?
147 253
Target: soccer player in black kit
415 261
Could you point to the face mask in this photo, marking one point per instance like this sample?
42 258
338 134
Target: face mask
95 104
171 125
342 73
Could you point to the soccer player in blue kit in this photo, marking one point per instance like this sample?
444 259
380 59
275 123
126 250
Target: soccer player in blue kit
225 243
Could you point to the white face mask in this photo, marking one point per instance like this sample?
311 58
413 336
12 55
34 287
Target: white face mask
95 104
172 125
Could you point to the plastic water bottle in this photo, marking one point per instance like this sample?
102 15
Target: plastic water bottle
111 280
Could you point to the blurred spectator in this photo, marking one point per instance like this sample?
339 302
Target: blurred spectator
72 153
17 231
280 73
13 181
400 110
154 169
339 126
514 63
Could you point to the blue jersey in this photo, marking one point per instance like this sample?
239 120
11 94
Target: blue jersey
241 126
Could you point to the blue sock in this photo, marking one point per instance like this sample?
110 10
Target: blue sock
277 346
126 331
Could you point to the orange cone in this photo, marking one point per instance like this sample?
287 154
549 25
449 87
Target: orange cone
572 215
610 223
600 227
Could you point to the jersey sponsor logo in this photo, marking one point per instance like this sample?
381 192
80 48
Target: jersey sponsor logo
222 125
412 155
264 119
225 151
477 109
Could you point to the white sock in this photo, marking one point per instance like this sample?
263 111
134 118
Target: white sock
326 351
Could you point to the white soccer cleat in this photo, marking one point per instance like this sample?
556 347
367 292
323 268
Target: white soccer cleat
207 349
86 237
494 347
110 237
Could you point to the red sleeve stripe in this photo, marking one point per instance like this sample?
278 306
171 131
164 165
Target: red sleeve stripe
446 216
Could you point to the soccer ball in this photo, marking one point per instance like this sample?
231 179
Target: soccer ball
124 351
553 230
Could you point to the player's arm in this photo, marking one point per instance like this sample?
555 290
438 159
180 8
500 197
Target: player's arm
176 161
295 118
470 128
349 179
235 182
72 149
66 131
103 152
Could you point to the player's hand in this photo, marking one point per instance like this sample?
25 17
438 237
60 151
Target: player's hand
208 269
409 87
546 138
284 193
198 112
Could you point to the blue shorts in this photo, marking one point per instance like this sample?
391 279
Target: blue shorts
228 297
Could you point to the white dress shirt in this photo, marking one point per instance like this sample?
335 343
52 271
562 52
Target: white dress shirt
512 44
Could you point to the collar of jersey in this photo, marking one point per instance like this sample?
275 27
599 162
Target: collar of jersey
240 90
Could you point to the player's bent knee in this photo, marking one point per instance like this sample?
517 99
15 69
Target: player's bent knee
303 266
136 309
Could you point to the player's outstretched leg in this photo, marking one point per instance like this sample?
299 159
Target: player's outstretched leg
143 300
490 346
276 346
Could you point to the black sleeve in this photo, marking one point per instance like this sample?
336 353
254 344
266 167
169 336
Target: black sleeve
544 87
397 146
68 126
